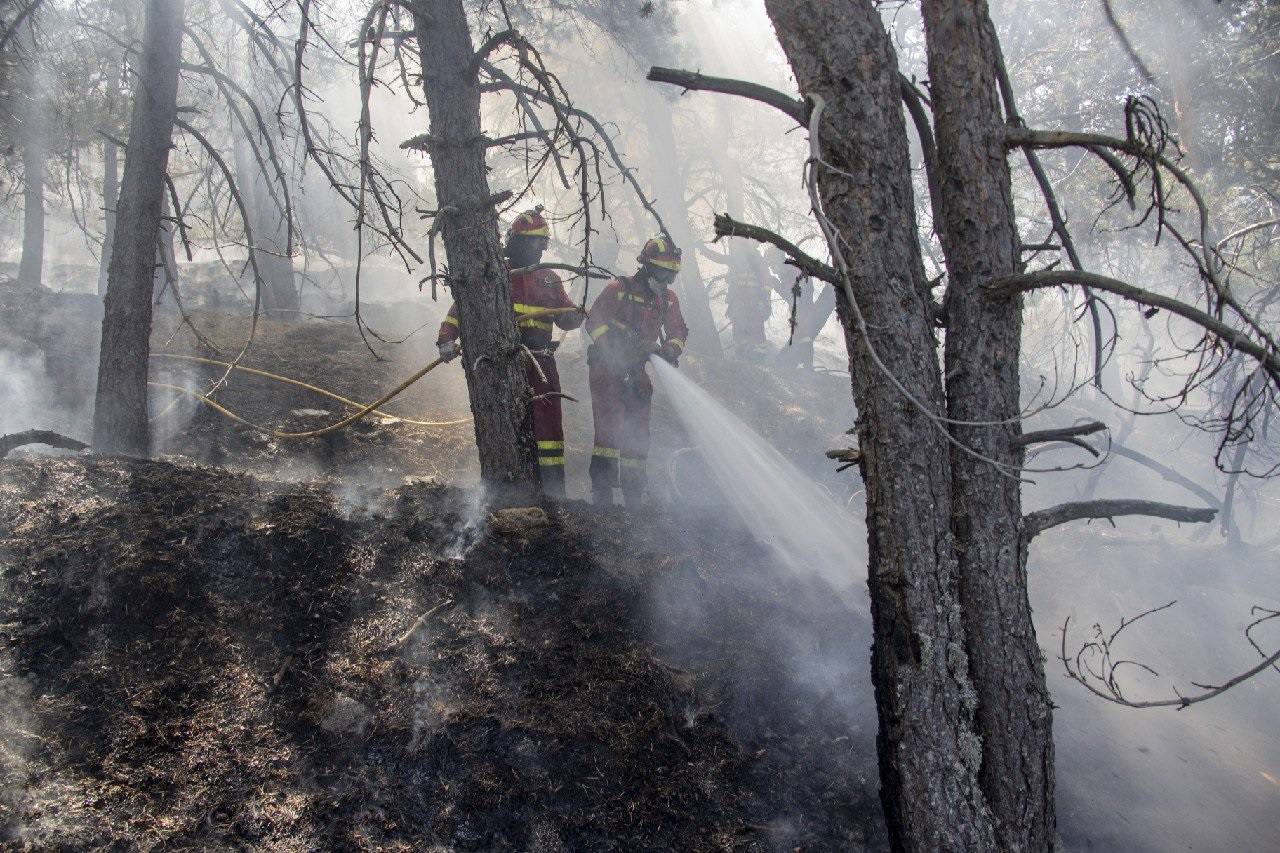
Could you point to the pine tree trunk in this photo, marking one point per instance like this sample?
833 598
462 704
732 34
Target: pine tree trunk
110 198
929 750
34 152
980 242
492 359
120 410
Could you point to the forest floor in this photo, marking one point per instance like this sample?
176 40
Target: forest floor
260 644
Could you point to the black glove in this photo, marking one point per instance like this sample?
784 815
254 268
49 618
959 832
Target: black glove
448 350
669 353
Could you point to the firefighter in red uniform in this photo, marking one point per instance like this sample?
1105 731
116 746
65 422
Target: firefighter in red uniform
532 292
625 323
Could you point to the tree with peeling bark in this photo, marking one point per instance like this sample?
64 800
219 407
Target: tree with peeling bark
965 742
120 409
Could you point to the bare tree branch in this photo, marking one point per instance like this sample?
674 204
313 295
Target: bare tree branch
1027 439
726 226
693 81
37 436
1266 356
1041 520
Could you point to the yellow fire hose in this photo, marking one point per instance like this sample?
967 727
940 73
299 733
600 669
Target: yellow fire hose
334 427
314 433
321 391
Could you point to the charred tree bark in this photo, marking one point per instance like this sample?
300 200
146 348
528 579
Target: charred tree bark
980 242
33 137
120 410
494 365
110 198
930 754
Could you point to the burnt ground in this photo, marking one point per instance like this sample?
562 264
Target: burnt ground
200 659
221 649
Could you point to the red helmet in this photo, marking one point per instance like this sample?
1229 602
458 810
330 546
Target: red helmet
661 252
530 224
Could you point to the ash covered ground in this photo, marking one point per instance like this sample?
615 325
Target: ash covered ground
197 658
271 645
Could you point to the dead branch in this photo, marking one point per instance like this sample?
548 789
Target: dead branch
250 245
1128 45
1266 356
693 81
726 226
1041 520
17 22
38 436
403 639
1104 684
1027 439
1166 473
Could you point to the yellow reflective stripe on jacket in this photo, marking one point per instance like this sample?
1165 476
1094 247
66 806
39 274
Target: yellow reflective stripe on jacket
632 463
551 445
678 343
598 331
605 452
522 308
451 320
622 294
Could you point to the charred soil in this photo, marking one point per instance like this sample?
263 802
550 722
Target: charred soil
195 658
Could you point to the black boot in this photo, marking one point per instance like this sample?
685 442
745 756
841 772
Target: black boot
552 481
633 483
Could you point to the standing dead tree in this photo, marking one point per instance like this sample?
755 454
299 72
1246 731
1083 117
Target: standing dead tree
948 540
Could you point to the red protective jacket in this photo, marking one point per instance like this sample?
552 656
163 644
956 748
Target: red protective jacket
624 324
625 310
530 292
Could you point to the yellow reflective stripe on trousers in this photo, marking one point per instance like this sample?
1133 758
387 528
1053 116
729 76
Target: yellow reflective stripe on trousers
631 463
605 452
550 445
534 324
550 460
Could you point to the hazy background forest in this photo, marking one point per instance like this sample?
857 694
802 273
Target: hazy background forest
1204 778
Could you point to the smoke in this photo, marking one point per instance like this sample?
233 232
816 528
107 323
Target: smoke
800 523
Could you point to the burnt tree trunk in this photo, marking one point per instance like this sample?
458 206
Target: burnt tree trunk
110 198
980 242
120 410
492 359
33 137
930 754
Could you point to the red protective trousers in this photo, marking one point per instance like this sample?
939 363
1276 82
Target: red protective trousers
624 324
530 293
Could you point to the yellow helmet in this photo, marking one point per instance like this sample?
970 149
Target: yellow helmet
661 252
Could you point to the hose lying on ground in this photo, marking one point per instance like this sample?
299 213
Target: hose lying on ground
347 421
314 433
332 396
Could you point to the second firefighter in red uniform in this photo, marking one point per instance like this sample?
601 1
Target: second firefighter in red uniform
625 323
533 292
